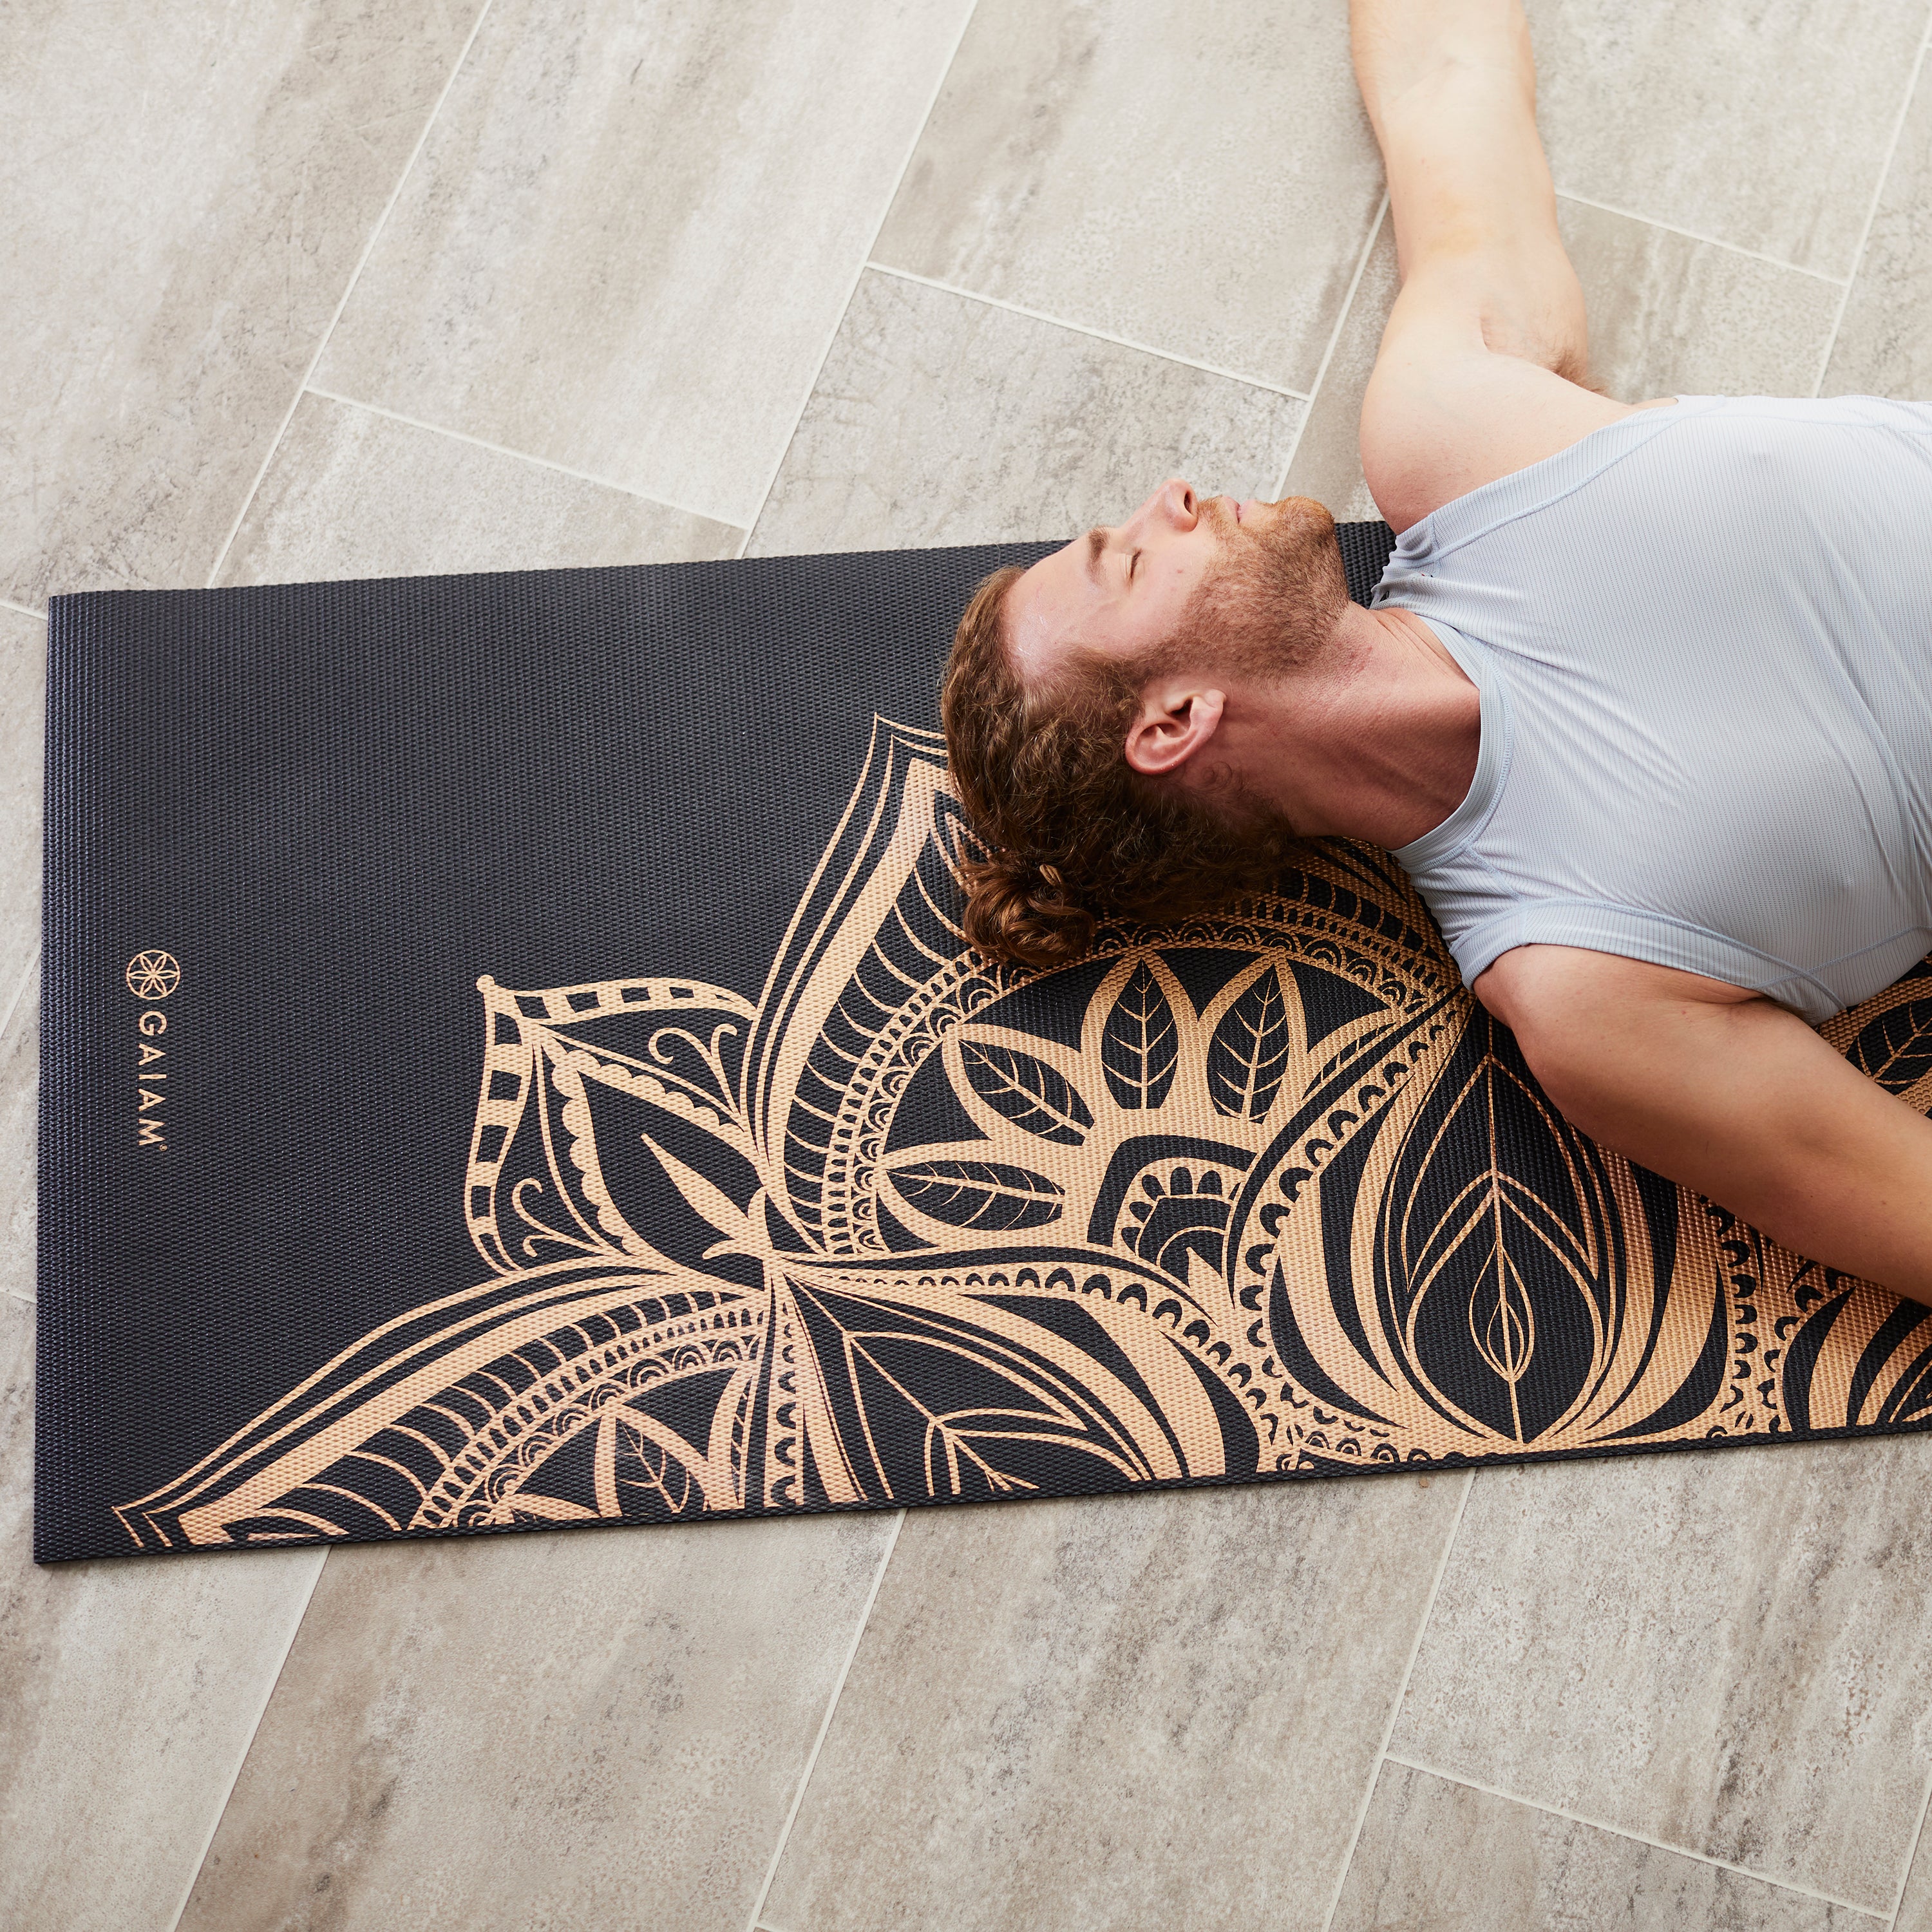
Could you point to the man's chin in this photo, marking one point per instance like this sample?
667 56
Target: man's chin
1300 518
1307 512
1297 525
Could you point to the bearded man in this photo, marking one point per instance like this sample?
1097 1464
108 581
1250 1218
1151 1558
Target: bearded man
1643 703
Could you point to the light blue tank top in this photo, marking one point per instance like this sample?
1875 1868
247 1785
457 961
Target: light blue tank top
1703 636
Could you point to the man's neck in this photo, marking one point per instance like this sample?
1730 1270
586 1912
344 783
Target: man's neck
1376 740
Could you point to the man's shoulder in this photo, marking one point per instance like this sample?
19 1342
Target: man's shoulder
1437 425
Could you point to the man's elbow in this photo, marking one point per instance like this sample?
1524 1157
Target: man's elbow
1576 1091
1600 1091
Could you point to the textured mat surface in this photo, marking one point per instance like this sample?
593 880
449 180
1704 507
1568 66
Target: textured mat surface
509 1061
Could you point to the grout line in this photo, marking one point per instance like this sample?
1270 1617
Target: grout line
354 276
1635 1837
1710 241
1334 338
521 455
1911 1857
275 1678
1082 328
21 610
825 1723
20 992
1395 1709
839 321
1871 213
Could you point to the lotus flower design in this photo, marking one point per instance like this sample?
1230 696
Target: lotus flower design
1261 1195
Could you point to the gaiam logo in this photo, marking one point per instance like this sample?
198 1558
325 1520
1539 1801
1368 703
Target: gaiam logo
153 975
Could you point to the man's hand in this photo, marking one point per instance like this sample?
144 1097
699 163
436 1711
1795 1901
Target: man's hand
1729 1094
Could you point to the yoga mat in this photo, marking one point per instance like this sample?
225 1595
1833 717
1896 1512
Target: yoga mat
509 1061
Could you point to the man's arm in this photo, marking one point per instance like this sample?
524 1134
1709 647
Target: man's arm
1733 1096
1482 362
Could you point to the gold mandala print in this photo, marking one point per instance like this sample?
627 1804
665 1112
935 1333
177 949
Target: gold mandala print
1263 1194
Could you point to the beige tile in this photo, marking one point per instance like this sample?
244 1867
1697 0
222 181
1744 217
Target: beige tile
1765 126
1327 463
1730 1653
604 1729
1672 317
187 190
352 493
939 419
1915 1904
127 1690
1150 1711
1438 1857
1668 316
632 230
20 1102
1884 346
1199 179
23 688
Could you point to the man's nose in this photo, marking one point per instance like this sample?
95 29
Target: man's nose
1173 504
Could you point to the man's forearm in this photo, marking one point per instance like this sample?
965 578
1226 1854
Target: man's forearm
1399 44
1833 1168
1450 89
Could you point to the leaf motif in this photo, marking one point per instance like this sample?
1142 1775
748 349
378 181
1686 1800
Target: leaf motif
1027 1091
1502 1316
1896 1049
1248 1056
738 1231
980 1194
1140 1045
1502 1257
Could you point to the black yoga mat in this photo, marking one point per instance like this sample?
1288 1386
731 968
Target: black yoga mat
508 1060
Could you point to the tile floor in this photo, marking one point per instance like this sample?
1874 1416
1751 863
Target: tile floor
313 288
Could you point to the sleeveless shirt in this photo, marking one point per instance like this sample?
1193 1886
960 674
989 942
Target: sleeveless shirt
1702 637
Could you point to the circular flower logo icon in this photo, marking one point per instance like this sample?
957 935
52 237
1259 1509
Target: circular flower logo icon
153 975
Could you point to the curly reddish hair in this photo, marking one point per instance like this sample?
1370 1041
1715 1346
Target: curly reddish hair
1074 834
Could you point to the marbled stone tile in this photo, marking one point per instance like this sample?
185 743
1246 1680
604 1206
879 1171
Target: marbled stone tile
1198 179
128 1691
1672 317
23 685
1436 1856
1327 463
19 1137
1730 1652
1146 1711
631 231
1668 316
188 189
351 494
938 420
1915 1904
1764 125
1884 346
603 1728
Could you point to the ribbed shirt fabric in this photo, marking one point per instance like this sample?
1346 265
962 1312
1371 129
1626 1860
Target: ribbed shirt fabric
1703 636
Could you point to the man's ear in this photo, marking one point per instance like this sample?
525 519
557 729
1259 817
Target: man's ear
1175 721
